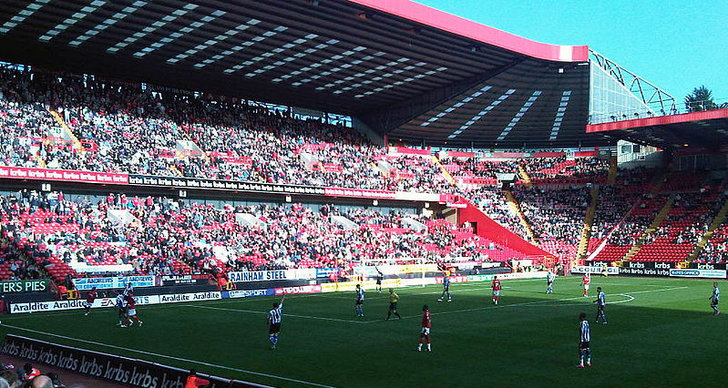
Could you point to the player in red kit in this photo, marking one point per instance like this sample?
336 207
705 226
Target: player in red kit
496 285
131 314
585 280
425 332
90 299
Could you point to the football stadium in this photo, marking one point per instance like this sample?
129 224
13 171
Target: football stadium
347 193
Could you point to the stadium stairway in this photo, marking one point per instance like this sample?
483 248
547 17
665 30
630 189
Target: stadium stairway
39 160
443 170
524 175
74 140
612 177
176 170
650 229
654 187
717 222
586 232
515 207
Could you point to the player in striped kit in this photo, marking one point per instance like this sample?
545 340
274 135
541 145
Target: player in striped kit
601 302
120 303
359 304
274 322
425 332
550 282
445 288
714 299
584 339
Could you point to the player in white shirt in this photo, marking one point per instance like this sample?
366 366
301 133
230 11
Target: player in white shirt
275 316
584 339
550 277
120 303
359 303
601 302
714 299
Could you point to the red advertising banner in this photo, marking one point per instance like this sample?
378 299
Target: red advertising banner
460 154
411 151
312 289
63 175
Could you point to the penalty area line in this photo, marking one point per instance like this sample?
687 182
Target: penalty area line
144 352
284 314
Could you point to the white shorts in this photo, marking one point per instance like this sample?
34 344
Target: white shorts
586 287
131 312
426 331
496 293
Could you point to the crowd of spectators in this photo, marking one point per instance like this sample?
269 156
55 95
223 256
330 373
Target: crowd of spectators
715 250
556 216
563 170
124 127
12 376
163 236
492 201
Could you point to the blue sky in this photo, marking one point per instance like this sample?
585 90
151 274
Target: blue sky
676 45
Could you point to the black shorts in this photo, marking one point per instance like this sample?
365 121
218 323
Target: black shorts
379 282
548 283
392 306
584 345
359 302
274 328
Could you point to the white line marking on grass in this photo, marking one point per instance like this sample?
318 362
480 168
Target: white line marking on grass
629 299
168 357
79 312
660 290
285 314
537 302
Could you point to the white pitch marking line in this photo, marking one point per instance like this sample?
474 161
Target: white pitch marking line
169 357
660 290
630 298
533 303
285 314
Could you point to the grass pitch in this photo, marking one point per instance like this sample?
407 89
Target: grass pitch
660 333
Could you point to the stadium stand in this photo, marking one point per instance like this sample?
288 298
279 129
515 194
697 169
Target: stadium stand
73 122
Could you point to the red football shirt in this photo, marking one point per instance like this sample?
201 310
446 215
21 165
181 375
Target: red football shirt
130 302
91 296
426 318
496 285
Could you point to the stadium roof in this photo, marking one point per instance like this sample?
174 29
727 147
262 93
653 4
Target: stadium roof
401 68
706 130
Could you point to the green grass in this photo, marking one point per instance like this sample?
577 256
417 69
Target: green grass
662 334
